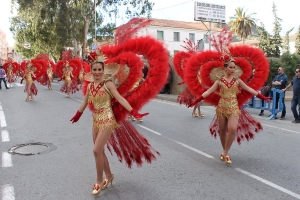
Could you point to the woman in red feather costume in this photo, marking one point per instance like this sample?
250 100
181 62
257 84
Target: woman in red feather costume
29 77
111 105
68 71
180 61
230 121
99 94
49 75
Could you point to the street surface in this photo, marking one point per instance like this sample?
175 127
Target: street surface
266 168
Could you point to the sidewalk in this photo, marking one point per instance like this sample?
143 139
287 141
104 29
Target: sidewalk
173 97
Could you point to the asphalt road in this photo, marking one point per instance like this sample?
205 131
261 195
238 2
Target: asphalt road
267 167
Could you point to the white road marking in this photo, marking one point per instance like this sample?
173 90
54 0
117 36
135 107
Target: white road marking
8 192
5 136
19 84
2 118
237 169
6 160
148 129
195 150
293 194
281 128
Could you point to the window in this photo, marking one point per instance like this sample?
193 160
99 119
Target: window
160 35
192 37
176 36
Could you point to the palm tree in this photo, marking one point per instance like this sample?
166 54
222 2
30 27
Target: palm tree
241 23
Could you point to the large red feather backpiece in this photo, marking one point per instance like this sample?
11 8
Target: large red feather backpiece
15 66
247 58
180 61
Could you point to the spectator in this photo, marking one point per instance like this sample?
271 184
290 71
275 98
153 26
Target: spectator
280 82
296 95
3 77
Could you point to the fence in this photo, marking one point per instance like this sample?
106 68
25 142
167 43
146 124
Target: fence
259 104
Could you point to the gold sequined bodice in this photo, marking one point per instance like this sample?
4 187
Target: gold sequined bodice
9 73
28 77
67 76
49 73
228 104
103 116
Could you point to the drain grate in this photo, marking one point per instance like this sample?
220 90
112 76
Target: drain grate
30 149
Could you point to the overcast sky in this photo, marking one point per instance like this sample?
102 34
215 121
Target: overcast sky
183 10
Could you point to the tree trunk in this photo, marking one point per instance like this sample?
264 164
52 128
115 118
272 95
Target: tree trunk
243 41
75 46
87 23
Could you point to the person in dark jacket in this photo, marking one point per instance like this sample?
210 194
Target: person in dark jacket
3 77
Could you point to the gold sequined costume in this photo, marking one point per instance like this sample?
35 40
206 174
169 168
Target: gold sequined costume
228 104
103 116
67 76
28 77
50 74
80 76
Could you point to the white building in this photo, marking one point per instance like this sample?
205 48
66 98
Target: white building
173 33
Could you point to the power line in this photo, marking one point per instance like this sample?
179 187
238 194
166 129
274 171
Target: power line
173 5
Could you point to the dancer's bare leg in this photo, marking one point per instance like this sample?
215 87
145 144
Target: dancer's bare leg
29 91
68 89
232 126
222 126
102 164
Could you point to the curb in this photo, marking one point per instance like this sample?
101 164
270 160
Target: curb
173 98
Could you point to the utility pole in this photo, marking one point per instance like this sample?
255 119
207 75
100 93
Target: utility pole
95 20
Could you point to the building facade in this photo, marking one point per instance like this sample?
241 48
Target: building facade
173 33
4 48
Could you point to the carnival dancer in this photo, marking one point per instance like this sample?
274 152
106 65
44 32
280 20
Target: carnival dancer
68 70
11 68
30 87
10 76
232 90
80 76
180 60
110 106
99 94
49 76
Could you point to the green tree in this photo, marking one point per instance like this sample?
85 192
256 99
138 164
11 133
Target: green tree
286 43
276 39
241 23
68 21
297 42
264 40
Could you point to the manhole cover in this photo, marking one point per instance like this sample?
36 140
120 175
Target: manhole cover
31 148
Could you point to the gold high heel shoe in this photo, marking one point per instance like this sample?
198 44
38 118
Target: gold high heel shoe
222 157
194 114
140 120
96 189
106 182
27 99
201 114
228 160
132 118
